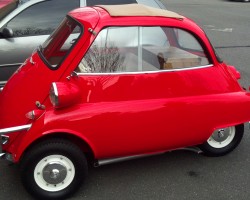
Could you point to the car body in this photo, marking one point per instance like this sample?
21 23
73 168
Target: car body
32 22
241 0
112 83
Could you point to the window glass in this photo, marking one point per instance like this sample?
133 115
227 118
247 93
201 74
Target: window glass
108 2
41 18
133 49
57 46
109 50
149 3
186 40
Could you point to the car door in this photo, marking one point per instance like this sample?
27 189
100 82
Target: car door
31 27
139 89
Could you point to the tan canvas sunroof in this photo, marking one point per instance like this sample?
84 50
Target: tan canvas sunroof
138 10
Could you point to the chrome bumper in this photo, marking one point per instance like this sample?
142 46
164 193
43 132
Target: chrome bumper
4 135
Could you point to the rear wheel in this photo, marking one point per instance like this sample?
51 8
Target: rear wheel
223 141
53 169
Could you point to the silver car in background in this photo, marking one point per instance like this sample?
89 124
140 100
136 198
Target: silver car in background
29 25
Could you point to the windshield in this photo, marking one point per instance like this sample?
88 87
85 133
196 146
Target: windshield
58 45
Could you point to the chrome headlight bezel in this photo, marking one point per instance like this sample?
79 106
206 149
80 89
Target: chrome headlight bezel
53 95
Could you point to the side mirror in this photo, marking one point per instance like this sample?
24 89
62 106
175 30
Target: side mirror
7 32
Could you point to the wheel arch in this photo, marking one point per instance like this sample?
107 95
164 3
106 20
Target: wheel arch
80 142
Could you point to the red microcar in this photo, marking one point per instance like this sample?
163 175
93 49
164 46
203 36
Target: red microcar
112 83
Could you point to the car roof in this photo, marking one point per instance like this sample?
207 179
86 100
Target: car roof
138 10
125 16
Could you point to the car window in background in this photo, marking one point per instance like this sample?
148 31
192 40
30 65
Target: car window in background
108 2
41 18
155 4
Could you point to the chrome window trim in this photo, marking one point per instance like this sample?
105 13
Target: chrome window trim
2 83
9 65
145 72
14 129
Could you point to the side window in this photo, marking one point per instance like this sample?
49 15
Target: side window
135 49
114 50
41 18
179 51
186 40
58 45
154 42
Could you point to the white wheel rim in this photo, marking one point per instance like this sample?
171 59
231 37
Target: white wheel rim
50 180
222 137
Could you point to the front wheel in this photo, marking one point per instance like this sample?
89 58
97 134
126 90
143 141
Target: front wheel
53 169
223 141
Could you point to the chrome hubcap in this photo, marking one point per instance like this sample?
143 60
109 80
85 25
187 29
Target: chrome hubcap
222 137
54 173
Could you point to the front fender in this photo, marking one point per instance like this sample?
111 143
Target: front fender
42 128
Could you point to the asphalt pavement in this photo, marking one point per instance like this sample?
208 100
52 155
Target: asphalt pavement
177 175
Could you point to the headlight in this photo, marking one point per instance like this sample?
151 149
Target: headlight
63 94
53 95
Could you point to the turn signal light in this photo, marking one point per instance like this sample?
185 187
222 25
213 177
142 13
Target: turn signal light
34 114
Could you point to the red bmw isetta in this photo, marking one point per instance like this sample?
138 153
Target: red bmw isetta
112 83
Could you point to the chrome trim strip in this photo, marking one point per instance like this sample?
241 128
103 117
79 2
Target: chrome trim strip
1 149
2 155
3 83
120 159
12 64
126 158
14 129
144 72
